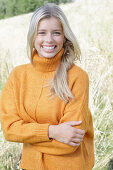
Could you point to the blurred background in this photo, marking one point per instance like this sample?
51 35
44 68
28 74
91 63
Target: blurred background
92 23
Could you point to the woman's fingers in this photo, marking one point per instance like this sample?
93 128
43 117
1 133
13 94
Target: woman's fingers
78 136
77 140
73 144
75 123
79 131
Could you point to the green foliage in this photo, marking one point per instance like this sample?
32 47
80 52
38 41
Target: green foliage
9 8
110 165
3 8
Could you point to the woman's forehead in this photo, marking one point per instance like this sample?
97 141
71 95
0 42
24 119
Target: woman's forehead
50 22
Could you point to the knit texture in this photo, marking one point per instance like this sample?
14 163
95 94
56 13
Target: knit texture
26 111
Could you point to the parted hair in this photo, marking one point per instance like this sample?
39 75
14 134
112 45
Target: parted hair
59 84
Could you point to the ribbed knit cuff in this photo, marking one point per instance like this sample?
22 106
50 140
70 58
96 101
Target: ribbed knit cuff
42 132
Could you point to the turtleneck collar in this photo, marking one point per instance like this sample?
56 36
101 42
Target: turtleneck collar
43 64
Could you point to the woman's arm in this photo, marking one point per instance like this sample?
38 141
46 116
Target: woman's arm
76 110
14 128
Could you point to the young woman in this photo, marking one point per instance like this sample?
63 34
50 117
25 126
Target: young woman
44 104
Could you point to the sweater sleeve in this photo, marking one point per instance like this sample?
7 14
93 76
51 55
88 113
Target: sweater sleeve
75 110
15 129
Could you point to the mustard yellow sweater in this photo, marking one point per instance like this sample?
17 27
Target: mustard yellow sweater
27 111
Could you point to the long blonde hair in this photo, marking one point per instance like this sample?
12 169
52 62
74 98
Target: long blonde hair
59 85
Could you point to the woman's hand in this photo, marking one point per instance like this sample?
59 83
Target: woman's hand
67 134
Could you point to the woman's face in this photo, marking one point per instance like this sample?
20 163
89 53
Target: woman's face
50 37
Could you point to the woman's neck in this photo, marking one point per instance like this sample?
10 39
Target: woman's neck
43 64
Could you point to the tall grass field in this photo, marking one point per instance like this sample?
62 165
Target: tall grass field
92 23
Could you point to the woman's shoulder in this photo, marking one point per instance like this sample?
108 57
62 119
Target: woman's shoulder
21 68
19 71
76 72
77 77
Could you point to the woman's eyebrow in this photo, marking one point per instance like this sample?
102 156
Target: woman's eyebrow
57 30
41 30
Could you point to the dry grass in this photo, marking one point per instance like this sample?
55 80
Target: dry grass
92 23
9 155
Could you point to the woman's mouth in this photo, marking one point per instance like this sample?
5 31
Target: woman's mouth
48 48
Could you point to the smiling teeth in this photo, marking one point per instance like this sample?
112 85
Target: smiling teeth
49 48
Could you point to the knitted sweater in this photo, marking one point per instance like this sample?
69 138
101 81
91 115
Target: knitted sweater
27 111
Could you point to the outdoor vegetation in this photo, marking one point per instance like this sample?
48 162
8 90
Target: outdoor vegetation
92 23
9 8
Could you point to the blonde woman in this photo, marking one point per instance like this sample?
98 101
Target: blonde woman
44 104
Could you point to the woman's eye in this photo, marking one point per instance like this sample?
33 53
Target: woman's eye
57 33
41 33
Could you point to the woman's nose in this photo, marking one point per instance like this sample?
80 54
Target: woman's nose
49 38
